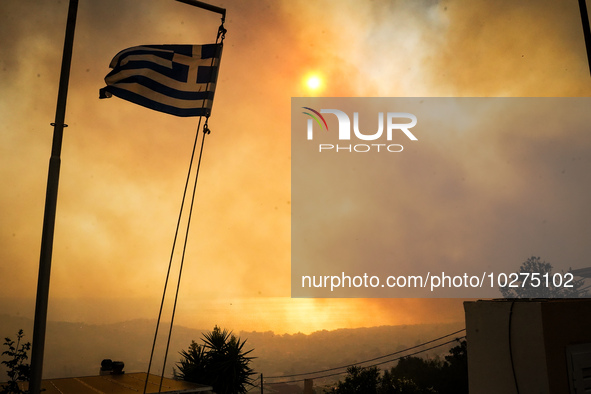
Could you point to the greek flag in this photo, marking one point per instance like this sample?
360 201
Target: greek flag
176 79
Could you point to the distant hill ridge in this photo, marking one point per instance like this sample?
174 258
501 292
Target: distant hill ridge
76 349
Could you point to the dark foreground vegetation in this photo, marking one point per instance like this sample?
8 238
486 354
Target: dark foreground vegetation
412 375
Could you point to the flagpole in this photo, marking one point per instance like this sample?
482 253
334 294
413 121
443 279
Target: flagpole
586 29
205 6
40 323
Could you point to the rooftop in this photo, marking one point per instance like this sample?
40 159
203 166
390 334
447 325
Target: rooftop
125 383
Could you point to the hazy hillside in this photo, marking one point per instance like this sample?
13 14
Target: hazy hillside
76 349
299 353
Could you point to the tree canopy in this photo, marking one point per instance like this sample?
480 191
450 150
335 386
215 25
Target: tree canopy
535 279
219 361
412 375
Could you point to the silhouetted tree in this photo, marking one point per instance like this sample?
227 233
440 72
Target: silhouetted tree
17 371
220 362
393 385
535 279
359 380
425 373
412 375
455 370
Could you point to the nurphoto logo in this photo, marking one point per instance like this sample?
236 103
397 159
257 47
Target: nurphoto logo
391 124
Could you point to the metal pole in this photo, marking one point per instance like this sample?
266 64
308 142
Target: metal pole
205 6
261 383
586 29
50 208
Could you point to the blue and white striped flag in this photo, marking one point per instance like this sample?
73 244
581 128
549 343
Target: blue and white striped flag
176 79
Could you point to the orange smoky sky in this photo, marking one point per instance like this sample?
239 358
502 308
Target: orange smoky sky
123 166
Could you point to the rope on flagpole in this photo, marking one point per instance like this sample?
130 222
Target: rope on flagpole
220 35
182 261
172 253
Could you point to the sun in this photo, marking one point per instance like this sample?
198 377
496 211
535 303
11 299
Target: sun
313 82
